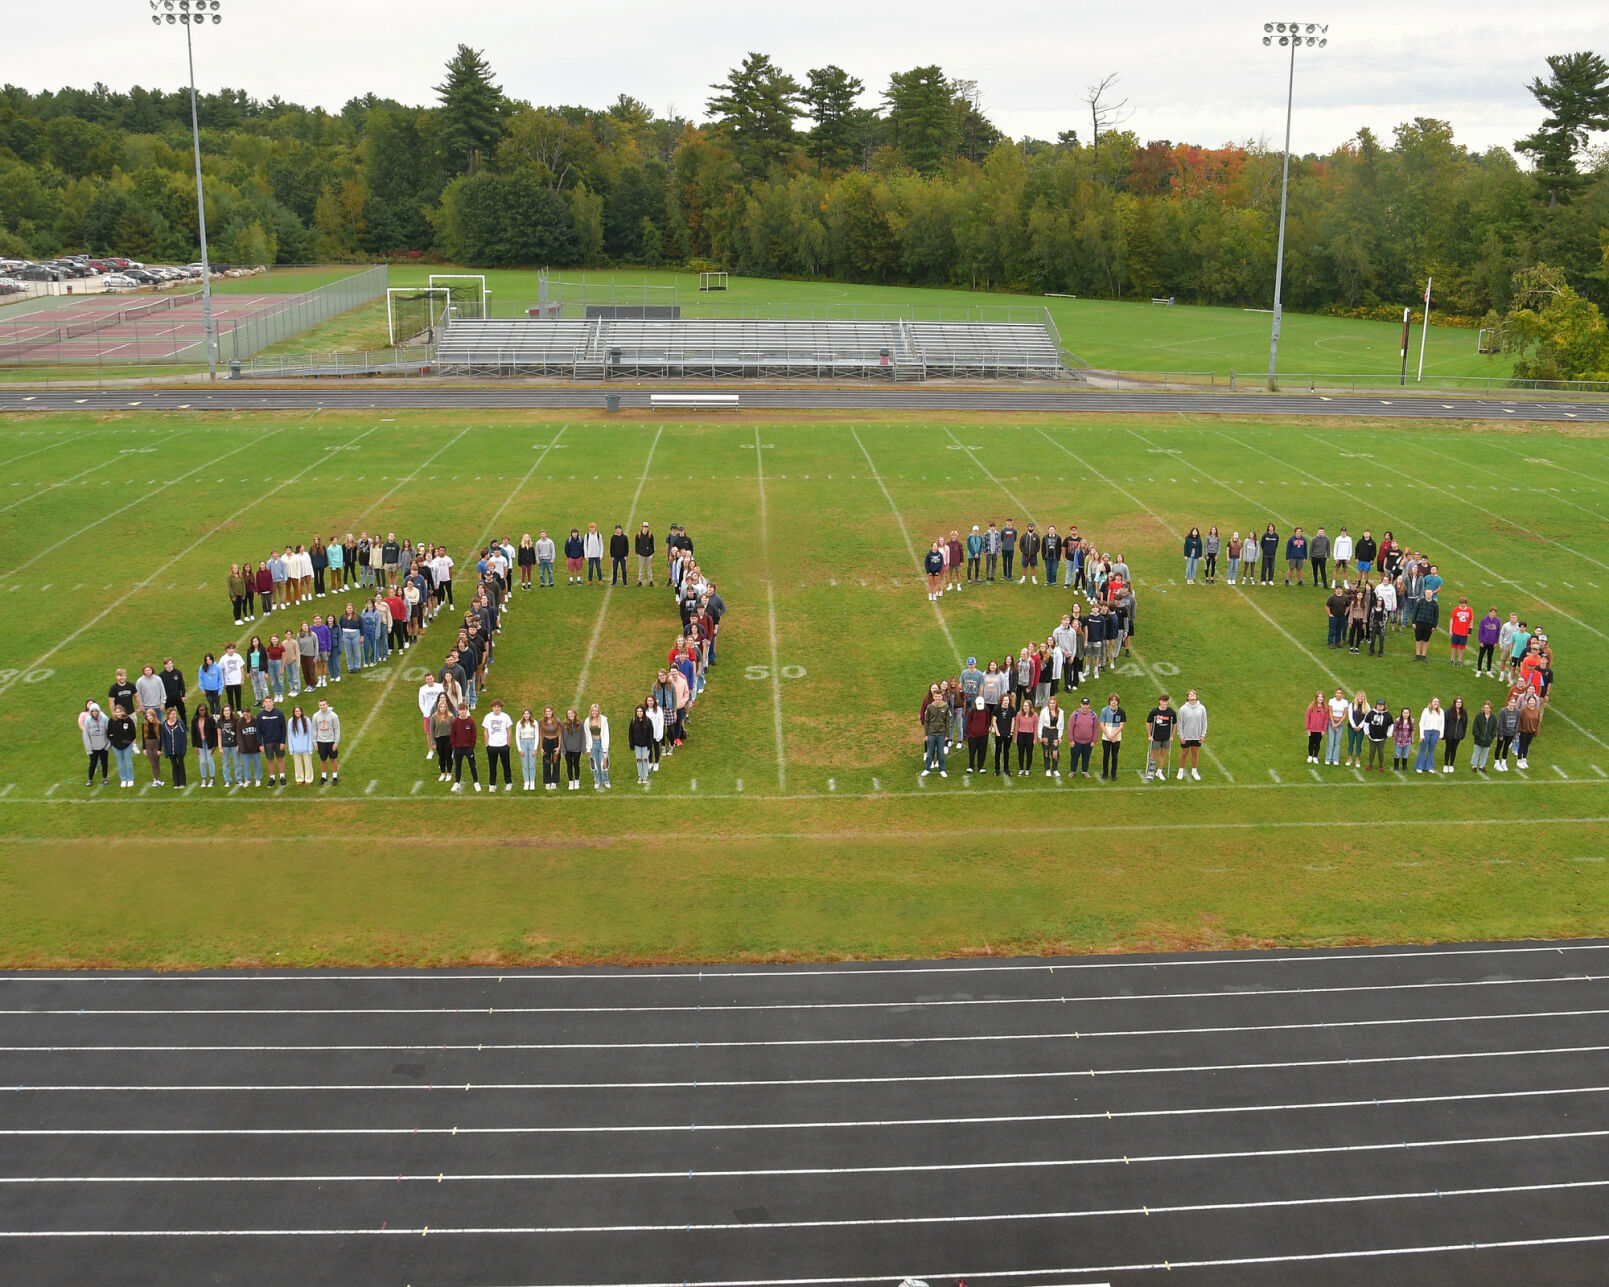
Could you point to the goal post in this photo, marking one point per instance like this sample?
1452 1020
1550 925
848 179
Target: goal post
414 310
1490 340
712 281
473 287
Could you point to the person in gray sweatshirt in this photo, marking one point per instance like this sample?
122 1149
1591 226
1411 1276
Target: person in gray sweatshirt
1192 733
1318 558
149 691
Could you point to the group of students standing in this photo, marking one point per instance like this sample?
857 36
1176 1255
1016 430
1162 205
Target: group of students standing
299 573
658 725
984 550
1493 732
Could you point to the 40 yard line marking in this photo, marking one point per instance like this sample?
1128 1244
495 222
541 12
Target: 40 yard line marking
771 618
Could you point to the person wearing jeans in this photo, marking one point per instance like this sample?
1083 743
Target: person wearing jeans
1192 554
1335 725
936 726
546 552
121 734
1483 732
1432 720
597 731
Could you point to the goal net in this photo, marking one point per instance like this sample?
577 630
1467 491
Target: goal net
469 293
415 312
1490 341
712 281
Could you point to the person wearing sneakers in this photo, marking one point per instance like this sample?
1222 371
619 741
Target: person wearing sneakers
1482 733
1316 722
1295 556
273 732
1160 722
1432 724
1028 546
1357 725
1337 711
327 743
1379 728
1008 547
978 723
574 556
1192 733
1426 616
991 552
597 730
936 733
545 552
463 744
497 727
1318 559
974 556
1268 546
933 565
1113 717
1454 727
1052 724
1050 549
1530 709
1081 732
954 552
1342 552
645 549
1508 729
1487 634
1192 554
1459 624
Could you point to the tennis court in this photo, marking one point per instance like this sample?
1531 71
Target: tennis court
171 328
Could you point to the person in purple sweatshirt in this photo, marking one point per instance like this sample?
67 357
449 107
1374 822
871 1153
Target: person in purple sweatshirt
321 632
1486 635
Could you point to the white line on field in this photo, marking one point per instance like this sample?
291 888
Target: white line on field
771 619
194 545
144 496
51 446
110 460
916 558
396 673
608 590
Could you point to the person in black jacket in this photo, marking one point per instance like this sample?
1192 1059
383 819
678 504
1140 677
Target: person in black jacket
1426 616
175 744
1269 545
645 555
619 547
272 731
173 686
1028 547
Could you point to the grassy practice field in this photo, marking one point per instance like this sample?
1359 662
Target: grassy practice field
793 824
1110 334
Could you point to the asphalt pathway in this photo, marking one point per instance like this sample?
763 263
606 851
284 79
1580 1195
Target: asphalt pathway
363 396
1409 1115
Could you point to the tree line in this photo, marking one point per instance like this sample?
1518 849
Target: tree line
796 176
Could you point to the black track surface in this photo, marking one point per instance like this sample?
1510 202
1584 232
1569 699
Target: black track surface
1410 1115
362 396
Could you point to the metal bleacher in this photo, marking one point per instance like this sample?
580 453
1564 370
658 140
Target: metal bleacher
737 348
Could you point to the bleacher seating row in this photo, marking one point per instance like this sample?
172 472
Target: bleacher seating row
603 348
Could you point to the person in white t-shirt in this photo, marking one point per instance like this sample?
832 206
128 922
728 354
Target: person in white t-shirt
429 691
233 668
497 726
1342 552
1338 707
442 568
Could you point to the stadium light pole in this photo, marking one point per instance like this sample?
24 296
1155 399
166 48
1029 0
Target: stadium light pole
190 14
1292 36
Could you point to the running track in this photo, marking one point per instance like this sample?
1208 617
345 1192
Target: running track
359 396
1399 1115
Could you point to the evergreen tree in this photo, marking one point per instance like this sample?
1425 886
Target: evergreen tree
1576 97
922 117
755 107
471 111
829 99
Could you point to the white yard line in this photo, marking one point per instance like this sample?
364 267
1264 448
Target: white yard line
140 500
1540 491
771 615
110 460
916 558
49 446
608 590
162 568
396 673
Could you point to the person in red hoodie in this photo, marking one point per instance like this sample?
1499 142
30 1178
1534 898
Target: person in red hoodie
1459 625
398 609
462 738
265 587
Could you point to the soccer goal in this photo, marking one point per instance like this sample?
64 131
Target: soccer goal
712 281
1490 341
412 311
469 293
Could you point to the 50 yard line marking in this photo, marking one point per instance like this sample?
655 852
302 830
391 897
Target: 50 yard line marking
909 545
771 618
608 590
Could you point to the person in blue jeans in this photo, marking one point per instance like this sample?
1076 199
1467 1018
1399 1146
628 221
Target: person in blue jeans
936 727
1050 548
1192 555
350 627
1432 721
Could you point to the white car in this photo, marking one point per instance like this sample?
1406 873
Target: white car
117 281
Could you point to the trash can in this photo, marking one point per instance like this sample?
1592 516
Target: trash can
234 368
611 402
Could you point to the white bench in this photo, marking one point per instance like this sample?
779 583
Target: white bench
1166 302
694 401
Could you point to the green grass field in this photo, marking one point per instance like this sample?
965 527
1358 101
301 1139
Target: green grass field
794 823
1121 336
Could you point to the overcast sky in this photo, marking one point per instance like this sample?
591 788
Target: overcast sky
1191 72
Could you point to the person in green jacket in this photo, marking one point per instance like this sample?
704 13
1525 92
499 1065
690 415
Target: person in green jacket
1482 733
1426 616
936 726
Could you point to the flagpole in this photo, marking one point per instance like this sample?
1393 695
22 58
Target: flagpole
1424 332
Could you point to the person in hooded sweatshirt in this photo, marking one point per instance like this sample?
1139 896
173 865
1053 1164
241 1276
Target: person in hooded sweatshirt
96 732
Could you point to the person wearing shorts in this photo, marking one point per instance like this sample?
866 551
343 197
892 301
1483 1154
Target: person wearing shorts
1192 717
327 743
1159 724
1426 614
273 731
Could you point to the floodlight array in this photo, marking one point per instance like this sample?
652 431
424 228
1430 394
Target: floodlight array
1285 34
194 13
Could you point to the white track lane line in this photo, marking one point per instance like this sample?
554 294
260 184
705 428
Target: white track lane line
970 1003
695 974
608 590
1156 679
1179 536
771 619
916 559
162 568
144 496
920 1168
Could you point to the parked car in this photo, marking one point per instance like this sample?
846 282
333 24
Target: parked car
120 281
39 273
11 286
140 275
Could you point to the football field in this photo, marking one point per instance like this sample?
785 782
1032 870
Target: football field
794 824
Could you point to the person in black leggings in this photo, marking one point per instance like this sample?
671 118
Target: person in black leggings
573 741
1004 715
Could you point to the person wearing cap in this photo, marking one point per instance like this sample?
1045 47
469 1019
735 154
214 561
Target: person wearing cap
644 547
1081 731
974 553
1192 733
978 724
1341 550
1378 725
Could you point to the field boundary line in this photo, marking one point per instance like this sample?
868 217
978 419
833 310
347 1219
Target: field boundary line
1156 678
145 496
391 679
771 615
1178 536
904 531
140 585
49 446
1408 523
110 460
608 590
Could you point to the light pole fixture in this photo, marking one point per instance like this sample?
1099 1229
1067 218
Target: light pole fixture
1292 36
191 15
